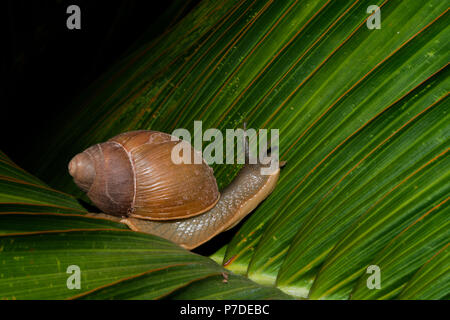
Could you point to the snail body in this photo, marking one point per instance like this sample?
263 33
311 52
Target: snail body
132 179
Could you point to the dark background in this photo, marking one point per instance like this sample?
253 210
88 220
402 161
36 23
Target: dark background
45 65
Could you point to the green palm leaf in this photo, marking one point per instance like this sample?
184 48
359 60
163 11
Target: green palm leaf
407 252
107 259
364 128
39 242
431 281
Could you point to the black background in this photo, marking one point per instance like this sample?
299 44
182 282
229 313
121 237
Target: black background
170 309
45 65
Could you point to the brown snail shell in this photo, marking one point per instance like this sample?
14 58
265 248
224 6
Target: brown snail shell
132 175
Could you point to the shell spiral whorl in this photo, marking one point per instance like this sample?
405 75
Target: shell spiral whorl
132 175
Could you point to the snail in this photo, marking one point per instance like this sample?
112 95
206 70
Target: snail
132 179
